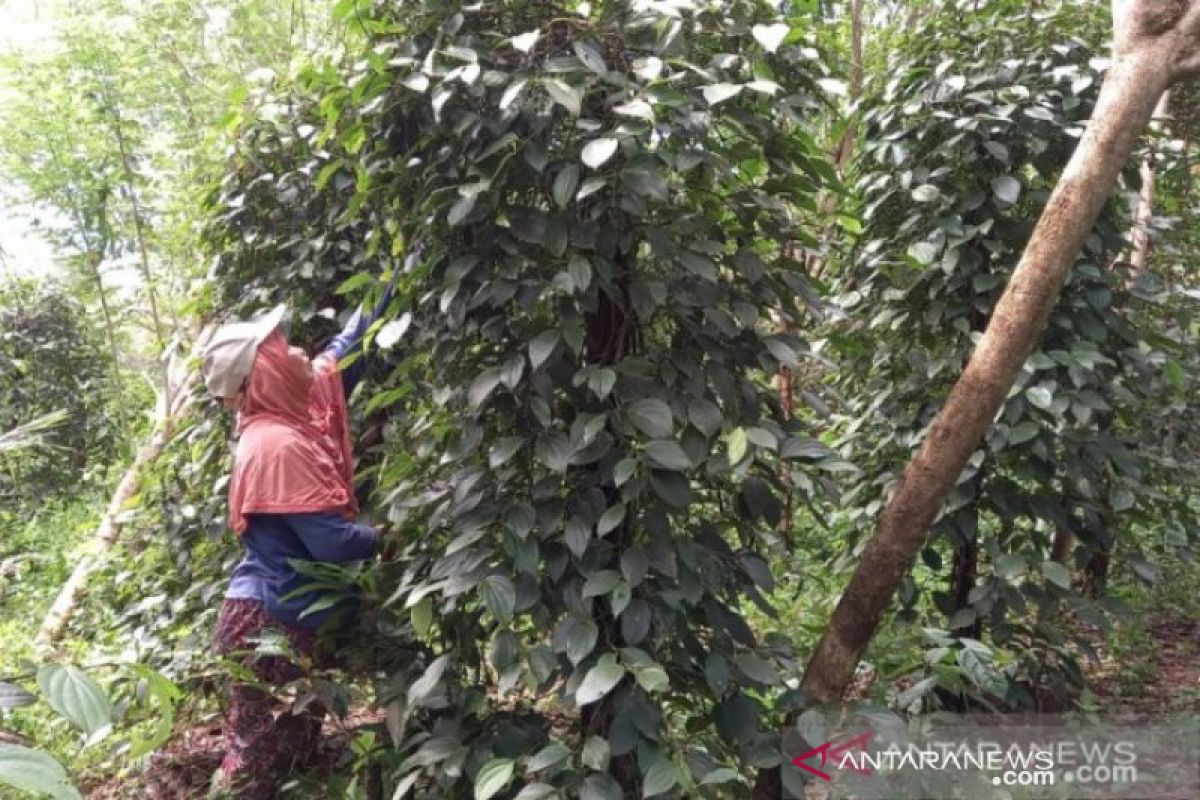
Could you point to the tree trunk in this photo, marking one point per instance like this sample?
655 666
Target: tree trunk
138 221
965 569
1096 571
846 145
812 262
787 404
611 333
1140 235
1148 54
109 528
1096 580
92 253
1063 545
111 334
1064 539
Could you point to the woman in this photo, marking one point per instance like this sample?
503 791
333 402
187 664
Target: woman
291 497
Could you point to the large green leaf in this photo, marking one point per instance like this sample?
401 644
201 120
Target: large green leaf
77 697
164 695
582 635
536 791
667 454
565 184
597 152
737 444
610 519
422 688
926 193
499 595
651 416
720 92
757 668
660 778
541 346
1057 574
770 36
550 755
599 680
596 753
13 696
601 583
1007 188
600 787
591 56
493 777
35 772
569 97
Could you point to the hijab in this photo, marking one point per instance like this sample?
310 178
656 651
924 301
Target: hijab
293 453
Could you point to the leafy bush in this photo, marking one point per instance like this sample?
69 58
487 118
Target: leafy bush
52 359
582 456
78 699
961 147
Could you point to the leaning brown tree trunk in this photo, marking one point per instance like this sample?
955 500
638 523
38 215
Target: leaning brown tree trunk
1155 44
179 382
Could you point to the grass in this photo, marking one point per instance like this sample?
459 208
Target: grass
39 546
1132 644
38 549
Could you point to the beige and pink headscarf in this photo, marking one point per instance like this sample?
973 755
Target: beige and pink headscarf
293 455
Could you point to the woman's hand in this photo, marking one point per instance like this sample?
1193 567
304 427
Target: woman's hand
389 547
386 546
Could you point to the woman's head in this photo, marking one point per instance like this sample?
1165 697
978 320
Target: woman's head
279 382
229 353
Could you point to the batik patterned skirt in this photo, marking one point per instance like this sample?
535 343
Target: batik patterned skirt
265 739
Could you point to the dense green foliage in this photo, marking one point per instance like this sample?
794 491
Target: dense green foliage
602 205
52 359
962 146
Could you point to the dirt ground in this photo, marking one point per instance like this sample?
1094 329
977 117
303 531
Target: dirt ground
1164 680
183 769
1167 681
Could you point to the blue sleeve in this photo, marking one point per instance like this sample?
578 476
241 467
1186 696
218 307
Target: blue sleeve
350 339
332 537
345 342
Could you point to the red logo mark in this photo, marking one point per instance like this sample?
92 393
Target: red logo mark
827 751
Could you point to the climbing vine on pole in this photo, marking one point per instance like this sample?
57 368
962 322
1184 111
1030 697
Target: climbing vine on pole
584 462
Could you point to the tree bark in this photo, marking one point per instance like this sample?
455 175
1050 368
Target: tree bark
846 145
1063 546
813 263
1064 542
787 403
1154 45
111 334
1139 237
965 569
138 222
109 528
